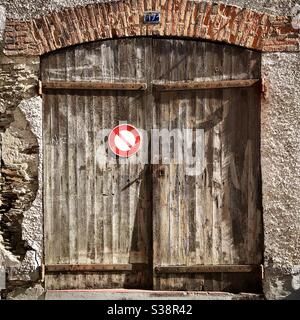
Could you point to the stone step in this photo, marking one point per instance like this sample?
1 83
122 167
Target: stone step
124 294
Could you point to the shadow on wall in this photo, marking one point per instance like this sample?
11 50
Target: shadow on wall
292 285
284 286
295 295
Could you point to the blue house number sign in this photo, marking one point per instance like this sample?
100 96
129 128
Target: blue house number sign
152 17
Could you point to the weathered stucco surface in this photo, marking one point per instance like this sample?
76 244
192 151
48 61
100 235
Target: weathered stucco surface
281 169
20 122
2 20
24 9
32 230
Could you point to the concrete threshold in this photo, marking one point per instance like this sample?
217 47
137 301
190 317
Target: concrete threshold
124 294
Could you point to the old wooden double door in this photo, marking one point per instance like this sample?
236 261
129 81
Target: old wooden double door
152 225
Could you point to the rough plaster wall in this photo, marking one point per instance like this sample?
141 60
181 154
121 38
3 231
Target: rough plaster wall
32 223
24 9
281 174
21 221
280 149
32 230
2 20
32 292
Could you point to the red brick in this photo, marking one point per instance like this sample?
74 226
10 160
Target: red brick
207 14
140 9
76 25
155 5
222 8
187 18
169 11
91 15
190 26
182 11
200 16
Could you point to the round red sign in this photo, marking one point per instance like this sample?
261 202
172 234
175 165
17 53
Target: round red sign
124 140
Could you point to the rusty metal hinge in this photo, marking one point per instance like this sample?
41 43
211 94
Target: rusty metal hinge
262 272
265 88
42 272
40 88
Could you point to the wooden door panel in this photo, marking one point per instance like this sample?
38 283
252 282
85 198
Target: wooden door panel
95 212
213 218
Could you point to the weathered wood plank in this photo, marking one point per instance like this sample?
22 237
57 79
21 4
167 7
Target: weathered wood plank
63 167
47 194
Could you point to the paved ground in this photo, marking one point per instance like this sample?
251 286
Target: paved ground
123 294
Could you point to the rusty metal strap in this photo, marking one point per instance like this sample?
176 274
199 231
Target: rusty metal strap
205 85
90 85
95 268
170 86
208 269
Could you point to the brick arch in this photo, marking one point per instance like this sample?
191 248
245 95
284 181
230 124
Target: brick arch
124 18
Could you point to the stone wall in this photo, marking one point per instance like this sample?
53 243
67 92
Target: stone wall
21 212
20 197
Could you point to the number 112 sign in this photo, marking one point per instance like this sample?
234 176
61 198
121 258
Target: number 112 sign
152 17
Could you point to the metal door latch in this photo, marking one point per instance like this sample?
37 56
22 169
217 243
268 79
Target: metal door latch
265 88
